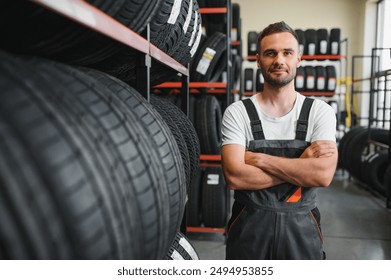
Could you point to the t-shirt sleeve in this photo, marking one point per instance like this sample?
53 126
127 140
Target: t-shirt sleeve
325 122
232 128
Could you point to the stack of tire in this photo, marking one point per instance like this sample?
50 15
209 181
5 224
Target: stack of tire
89 169
209 199
319 41
316 78
364 162
175 28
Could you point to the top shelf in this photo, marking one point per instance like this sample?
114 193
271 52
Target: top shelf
93 18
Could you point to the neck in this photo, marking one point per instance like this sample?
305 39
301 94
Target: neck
277 102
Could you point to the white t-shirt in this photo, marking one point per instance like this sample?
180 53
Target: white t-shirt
236 127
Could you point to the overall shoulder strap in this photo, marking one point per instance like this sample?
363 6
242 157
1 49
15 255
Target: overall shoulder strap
302 122
255 122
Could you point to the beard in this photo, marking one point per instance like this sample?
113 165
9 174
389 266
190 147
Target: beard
278 82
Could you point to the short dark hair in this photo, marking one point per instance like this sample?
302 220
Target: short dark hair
277 27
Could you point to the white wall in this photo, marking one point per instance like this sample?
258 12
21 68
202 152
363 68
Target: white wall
303 14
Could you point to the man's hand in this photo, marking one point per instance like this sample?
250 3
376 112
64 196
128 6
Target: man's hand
319 149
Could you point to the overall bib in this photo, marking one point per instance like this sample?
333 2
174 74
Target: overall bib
281 222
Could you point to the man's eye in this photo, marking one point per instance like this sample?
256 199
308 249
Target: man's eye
269 54
288 53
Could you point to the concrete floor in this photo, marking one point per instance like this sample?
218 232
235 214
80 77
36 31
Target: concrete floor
356 225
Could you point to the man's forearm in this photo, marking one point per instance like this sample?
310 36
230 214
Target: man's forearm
306 172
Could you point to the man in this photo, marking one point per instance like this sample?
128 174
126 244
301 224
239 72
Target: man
278 146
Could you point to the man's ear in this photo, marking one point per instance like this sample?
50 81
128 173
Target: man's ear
258 61
298 60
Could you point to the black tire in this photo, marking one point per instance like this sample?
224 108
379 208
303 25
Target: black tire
335 41
214 198
310 78
344 143
300 79
323 41
210 62
97 205
208 124
331 81
193 206
53 36
249 80
311 42
320 84
160 135
302 42
252 44
188 130
376 167
236 32
355 149
181 249
387 184
354 153
236 71
259 81
185 134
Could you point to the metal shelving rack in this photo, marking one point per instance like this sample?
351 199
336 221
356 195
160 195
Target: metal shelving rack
87 15
216 88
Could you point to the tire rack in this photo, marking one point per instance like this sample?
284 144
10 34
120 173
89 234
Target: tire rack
377 78
212 88
93 18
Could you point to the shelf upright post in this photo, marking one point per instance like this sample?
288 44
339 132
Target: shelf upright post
143 70
229 55
185 93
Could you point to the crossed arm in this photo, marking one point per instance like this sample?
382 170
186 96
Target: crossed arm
254 171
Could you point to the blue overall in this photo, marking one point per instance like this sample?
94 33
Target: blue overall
281 222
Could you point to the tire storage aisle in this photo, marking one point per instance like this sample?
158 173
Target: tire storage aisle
89 169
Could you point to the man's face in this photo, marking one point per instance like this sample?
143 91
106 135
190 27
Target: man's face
279 58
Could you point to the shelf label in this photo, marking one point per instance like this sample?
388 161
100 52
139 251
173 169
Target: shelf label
311 49
332 84
175 10
253 47
320 83
260 78
213 179
249 85
310 82
301 48
205 61
234 34
334 48
323 47
299 81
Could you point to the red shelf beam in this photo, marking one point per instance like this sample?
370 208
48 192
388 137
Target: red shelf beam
192 85
213 10
205 229
210 157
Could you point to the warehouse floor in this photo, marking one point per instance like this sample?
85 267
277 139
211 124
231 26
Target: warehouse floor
356 225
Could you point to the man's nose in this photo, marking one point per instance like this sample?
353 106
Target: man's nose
279 59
